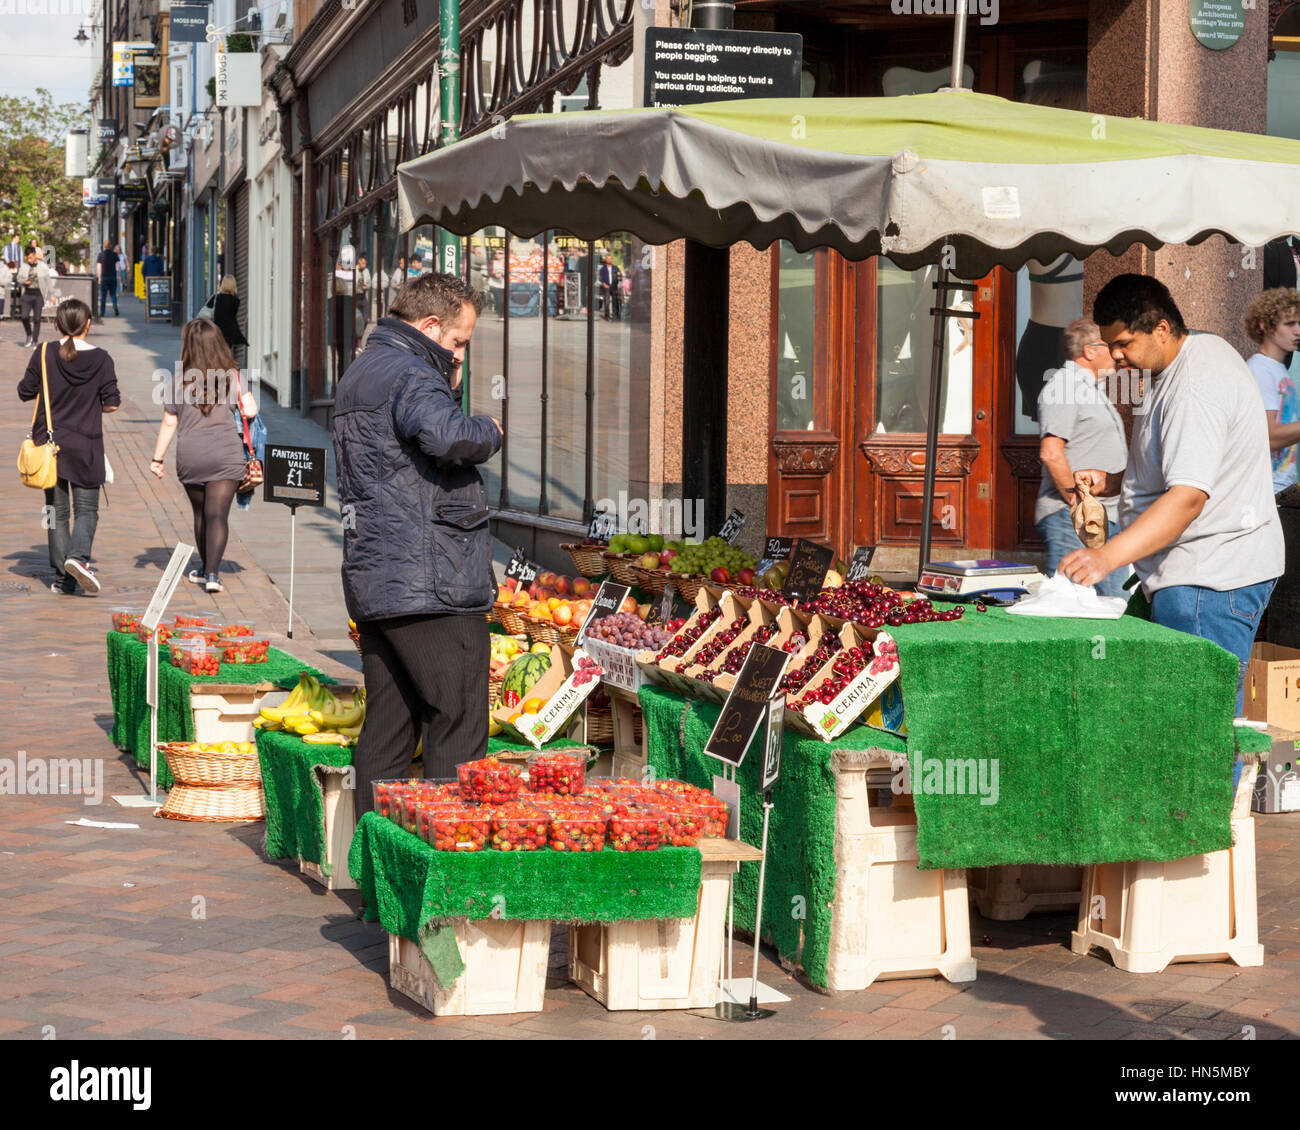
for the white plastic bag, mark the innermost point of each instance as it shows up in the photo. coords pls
(1060, 596)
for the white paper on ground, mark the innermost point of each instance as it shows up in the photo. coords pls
(1060, 596)
(84, 823)
(108, 470)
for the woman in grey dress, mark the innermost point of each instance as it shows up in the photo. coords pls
(202, 408)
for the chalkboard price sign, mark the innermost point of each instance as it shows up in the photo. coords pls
(668, 607)
(860, 566)
(607, 602)
(747, 704)
(294, 475)
(521, 569)
(778, 549)
(771, 770)
(158, 298)
(808, 564)
(731, 527)
(604, 526)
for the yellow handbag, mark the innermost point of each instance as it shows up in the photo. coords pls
(39, 465)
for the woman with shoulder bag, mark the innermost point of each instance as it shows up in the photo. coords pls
(76, 384)
(206, 409)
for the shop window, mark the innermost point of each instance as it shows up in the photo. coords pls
(795, 378)
(1284, 76)
(486, 363)
(566, 377)
(619, 417)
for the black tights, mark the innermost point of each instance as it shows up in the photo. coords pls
(211, 505)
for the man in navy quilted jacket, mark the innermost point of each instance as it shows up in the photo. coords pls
(417, 549)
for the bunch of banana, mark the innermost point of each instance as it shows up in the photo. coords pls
(337, 726)
(312, 709)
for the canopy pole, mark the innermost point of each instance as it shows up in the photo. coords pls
(932, 417)
(960, 9)
(449, 113)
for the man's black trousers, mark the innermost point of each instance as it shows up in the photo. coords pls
(422, 672)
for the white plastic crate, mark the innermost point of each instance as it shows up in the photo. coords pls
(505, 968)
(1147, 915)
(339, 809)
(659, 963)
(224, 712)
(889, 919)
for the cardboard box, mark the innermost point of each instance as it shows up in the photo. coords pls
(1277, 788)
(788, 622)
(667, 673)
(760, 616)
(560, 695)
(1273, 686)
(829, 720)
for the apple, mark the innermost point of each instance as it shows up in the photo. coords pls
(648, 560)
(581, 587)
(629, 604)
(745, 577)
(562, 614)
(665, 556)
(720, 576)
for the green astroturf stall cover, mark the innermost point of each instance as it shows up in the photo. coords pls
(1113, 740)
(413, 890)
(127, 658)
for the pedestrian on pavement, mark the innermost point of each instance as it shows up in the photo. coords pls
(417, 559)
(6, 282)
(14, 251)
(123, 268)
(610, 280)
(1196, 499)
(152, 265)
(225, 313)
(1079, 427)
(106, 276)
(34, 286)
(201, 407)
(1273, 322)
(83, 386)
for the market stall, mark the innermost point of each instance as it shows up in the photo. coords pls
(127, 680)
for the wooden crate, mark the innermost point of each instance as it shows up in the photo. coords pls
(1008, 894)
(631, 753)
(339, 807)
(1148, 915)
(505, 968)
(667, 962)
(889, 919)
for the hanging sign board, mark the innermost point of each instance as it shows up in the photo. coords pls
(685, 65)
(608, 601)
(747, 704)
(294, 475)
(771, 770)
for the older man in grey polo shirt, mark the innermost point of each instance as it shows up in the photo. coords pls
(1199, 522)
(1080, 428)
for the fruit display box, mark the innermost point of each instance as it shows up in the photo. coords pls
(712, 660)
(724, 611)
(789, 626)
(851, 698)
(562, 690)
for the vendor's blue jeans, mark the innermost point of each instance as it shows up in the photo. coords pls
(1057, 530)
(1229, 618)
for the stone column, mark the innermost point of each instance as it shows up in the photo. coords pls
(1144, 62)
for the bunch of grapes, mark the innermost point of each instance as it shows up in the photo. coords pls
(627, 629)
(681, 643)
(710, 554)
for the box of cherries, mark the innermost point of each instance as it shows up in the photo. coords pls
(825, 702)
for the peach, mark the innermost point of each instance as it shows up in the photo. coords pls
(562, 615)
(581, 587)
(563, 586)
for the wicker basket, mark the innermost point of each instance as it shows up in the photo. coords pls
(494, 692)
(600, 724)
(192, 767)
(588, 560)
(687, 584)
(650, 580)
(543, 631)
(513, 621)
(227, 804)
(622, 566)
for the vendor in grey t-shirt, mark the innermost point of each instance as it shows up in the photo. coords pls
(1199, 522)
(1080, 428)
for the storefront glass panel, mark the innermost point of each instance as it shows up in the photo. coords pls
(487, 380)
(795, 393)
(566, 357)
(617, 416)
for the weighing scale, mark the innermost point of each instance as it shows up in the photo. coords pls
(996, 582)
